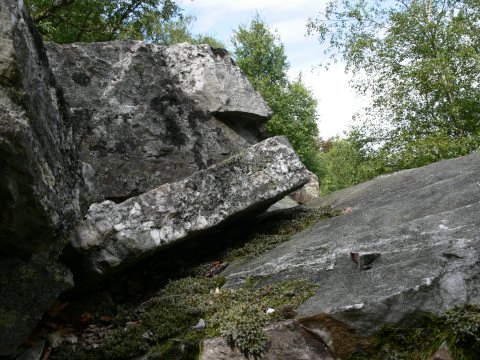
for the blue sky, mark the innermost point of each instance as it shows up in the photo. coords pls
(219, 18)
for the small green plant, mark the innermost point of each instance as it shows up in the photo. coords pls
(242, 326)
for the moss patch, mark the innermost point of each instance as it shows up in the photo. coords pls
(166, 326)
(459, 328)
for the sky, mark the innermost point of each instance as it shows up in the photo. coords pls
(336, 100)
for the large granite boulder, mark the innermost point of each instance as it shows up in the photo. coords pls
(115, 235)
(40, 178)
(407, 243)
(148, 115)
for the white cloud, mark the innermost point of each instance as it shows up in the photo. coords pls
(337, 102)
(291, 30)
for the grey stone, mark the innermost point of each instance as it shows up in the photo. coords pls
(364, 259)
(40, 174)
(309, 192)
(40, 179)
(206, 75)
(287, 340)
(148, 115)
(115, 235)
(424, 222)
(286, 203)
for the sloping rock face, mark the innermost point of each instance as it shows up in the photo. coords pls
(415, 236)
(40, 179)
(147, 115)
(115, 235)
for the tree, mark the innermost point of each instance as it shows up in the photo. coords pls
(419, 60)
(155, 21)
(174, 31)
(261, 56)
(347, 163)
(66, 21)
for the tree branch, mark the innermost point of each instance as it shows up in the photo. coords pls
(52, 10)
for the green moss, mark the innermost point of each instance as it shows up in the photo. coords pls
(166, 329)
(275, 231)
(459, 328)
(242, 326)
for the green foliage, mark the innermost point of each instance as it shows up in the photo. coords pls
(66, 21)
(420, 63)
(459, 328)
(174, 31)
(464, 323)
(346, 164)
(261, 56)
(155, 21)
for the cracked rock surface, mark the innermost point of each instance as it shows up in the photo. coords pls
(421, 224)
(146, 115)
(115, 235)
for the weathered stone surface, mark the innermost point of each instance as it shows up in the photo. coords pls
(40, 179)
(39, 172)
(288, 340)
(425, 225)
(211, 78)
(145, 114)
(113, 235)
(309, 192)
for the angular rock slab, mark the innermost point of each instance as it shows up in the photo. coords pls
(423, 222)
(211, 77)
(144, 114)
(114, 235)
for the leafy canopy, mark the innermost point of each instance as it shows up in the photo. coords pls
(66, 21)
(419, 60)
(261, 55)
(156, 21)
